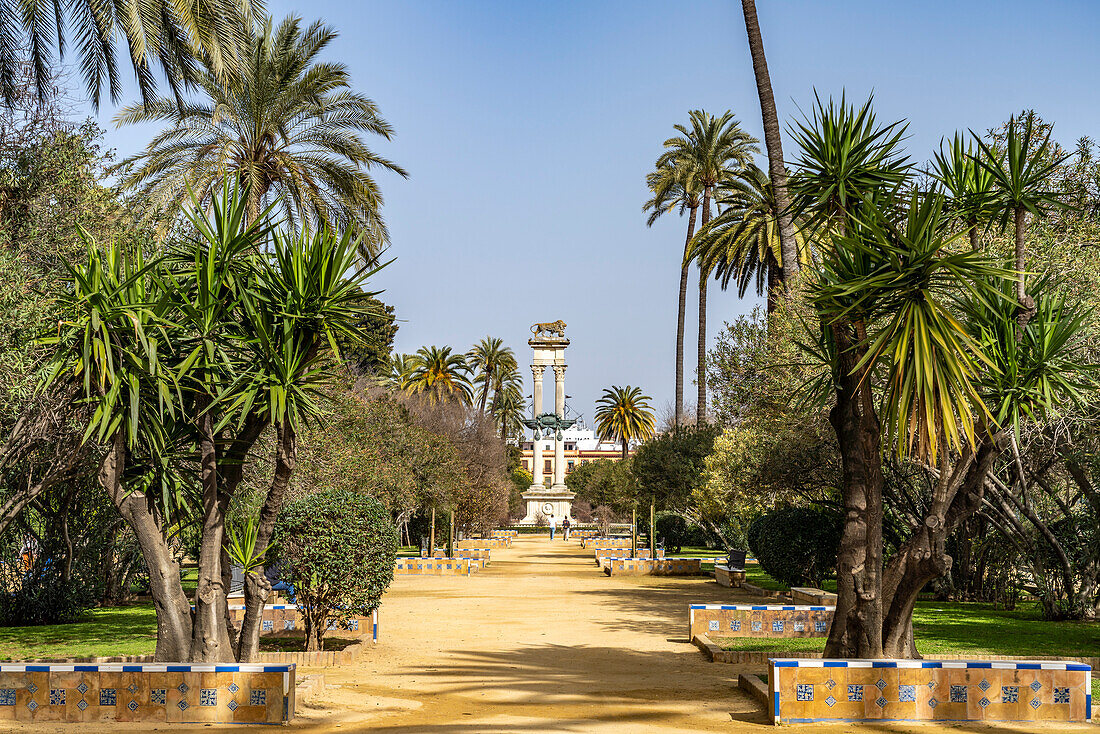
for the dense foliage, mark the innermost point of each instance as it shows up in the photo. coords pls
(796, 545)
(337, 548)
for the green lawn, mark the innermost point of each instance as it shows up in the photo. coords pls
(128, 630)
(962, 628)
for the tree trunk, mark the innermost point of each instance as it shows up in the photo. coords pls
(210, 641)
(773, 141)
(775, 284)
(634, 532)
(681, 314)
(431, 537)
(1026, 310)
(169, 602)
(257, 589)
(652, 530)
(972, 232)
(701, 401)
(857, 623)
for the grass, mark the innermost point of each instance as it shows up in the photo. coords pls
(962, 628)
(127, 630)
(297, 643)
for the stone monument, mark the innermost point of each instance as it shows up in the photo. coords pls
(548, 345)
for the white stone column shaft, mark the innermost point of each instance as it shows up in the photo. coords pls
(536, 408)
(559, 408)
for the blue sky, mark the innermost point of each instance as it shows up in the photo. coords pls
(528, 128)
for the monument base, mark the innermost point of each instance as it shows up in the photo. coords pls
(543, 502)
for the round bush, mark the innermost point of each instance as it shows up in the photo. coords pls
(796, 546)
(338, 550)
(672, 529)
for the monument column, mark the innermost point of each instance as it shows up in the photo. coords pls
(559, 408)
(536, 403)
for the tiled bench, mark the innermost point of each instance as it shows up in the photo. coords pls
(278, 618)
(649, 567)
(147, 692)
(605, 542)
(485, 543)
(725, 577)
(582, 534)
(928, 690)
(764, 620)
(503, 533)
(436, 566)
(477, 554)
(607, 554)
(810, 595)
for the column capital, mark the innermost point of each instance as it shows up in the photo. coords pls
(559, 372)
(537, 371)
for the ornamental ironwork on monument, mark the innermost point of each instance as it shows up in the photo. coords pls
(549, 424)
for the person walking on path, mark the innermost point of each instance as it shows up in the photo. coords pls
(553, 525)
(565, 527)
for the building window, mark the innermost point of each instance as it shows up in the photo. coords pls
(525, 463)
(570, 447)
(569, 467)
(546, 466)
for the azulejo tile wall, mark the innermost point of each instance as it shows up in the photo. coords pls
(436, 566)
(649, 567)
(503, 542)
(503, 533)
(764, 620)
(154, 692)
(605, 542)
(607, 554)
(278, 618)
(928, 690)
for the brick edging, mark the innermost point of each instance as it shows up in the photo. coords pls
(325, 658)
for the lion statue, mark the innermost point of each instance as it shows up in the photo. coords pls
(553, 328)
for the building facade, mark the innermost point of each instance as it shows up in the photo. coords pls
(581, 447)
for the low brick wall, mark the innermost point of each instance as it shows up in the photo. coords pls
(766, 620)
(649, 567)
(605, 542)
(484, 543)
(810, 595)
(583, 534)
(608, 554)
(725, 577)
(503, 533)
(436, 566)
(148, 692)
(928, 690)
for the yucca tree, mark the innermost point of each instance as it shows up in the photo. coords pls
(290, 130)
(742, 243)
(773, 140)
(1022, 172)
(712, 148)
(676, 187)
(845, 159)
(968, 182)
(158, 34)
(491, 363)
(623, 414)
(440, 375)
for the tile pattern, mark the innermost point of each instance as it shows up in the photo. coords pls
(151, 692)
(929, 690)
(436, 566)
(285, 617)
(649, 567)
(742, 620)
(609, 554)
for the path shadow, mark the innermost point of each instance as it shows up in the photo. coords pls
(659, 608)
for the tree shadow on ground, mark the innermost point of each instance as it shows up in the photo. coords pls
(659, 608)
(573, 687)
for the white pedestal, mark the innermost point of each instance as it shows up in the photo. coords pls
(543, 502)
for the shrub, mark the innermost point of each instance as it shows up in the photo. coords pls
(338, 550)
(673, 530)
(796, 545)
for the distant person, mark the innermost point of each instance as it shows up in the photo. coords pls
(553, 525)
(565, 527)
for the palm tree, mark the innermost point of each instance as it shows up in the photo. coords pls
(773, 141)
(290, 130)
(623, 414)
(508, 405)
(1021, 174)
(674, 186)
(171, 35)
(440, 375)
(969, 184)
(742, 243)
(490, 362)
(713, 149)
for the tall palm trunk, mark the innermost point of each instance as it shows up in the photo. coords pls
(1026, 309)
(775, 284)
(774, 143)
(680, 318)
(701, 403)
